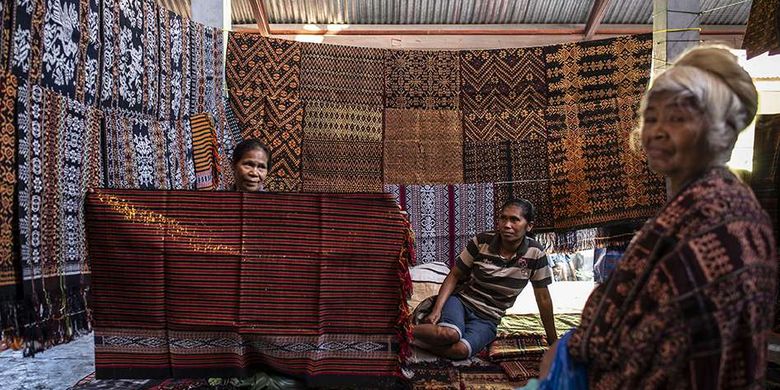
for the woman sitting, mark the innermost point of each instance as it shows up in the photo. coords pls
(690, 304)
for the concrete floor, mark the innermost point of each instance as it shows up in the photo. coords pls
(56, 368)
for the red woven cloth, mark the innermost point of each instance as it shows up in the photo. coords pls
(189, 284)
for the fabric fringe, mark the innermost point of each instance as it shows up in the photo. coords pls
(10, 336)
(567, 242)
(44, 328)
(404, 321)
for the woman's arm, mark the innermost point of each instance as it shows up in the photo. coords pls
(444, 292)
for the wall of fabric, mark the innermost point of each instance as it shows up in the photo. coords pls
(550, 124)
(97, 93)
(763, 29)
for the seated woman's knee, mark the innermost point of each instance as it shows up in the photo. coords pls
(448, 335)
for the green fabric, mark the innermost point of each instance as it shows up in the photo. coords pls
(524, 324)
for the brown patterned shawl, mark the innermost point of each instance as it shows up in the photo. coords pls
(423, 146)
(691, 301)
(763, 28)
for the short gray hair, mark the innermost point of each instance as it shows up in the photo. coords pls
(719, 88)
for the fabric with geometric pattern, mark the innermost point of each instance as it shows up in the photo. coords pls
(763, 28)
(342, 148)
(594, 93)
(204, 152)
(422, 79)
(281, 128)
(342, 74)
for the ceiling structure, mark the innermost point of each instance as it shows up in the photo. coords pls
(569, 20)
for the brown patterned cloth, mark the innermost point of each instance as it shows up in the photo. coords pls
(342, 74)
(8, 269)
(595, 88)
(690, 303)
(765, 177)
(256, 68)
(281, 128)
(763, 28)
(423, 146)
(342, 148)
(422, 79)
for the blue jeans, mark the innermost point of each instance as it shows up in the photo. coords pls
(476, 332)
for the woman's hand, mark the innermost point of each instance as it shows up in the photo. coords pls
(432, 318)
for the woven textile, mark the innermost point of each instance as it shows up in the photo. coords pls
(766, 165)
(342, 74)
(8, 271)
(445, 217)
(56, 43)
(422, 79)
(249, 83)
(423, 146)
(763, 28)
(594, 94)
(204, 152)
(281, 128)
(7, 12)
(58, 145)
(229, 304)
(342, 148)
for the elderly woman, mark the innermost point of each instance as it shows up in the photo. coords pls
(690, 304)
(251, 160)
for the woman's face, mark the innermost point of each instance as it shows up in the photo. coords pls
(251, 170)
(673, 136)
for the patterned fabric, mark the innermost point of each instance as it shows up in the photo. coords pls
(445, 217)
(204, 151)
(342, 74)
(59, 146)
(282, 131)
(56, 42)
(690, 304)
(763, 28)
(7, 12)
(226, 327)
(423, 146)
(422, 79)
(595, 89)
(766, 176)
(8, 273)
(248, 83)
(342, 148)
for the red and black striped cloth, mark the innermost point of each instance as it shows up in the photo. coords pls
(189, 284)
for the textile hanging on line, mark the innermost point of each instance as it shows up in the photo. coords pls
(417, 79)
(204, 152)
(56, 43)
(594, 92)
(503, 96)
(445, 217)
(342, 75)
(763, 28)
(59, 158)
(266, 101)
(423, 147)
(229, 305)
(342, 148)
(9, 269)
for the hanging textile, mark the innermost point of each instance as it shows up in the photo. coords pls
(766, 165)
(279, 77)
(7, 12)
(229, 305)
(342, 74)
(59, 157)
(204, 151)
(423, 146)
(422, 79)
(763, 28)
(342, 148)
(9, 270)
(445, 217)
(594, 93)
(503, 97)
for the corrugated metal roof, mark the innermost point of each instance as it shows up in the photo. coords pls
(726, 12)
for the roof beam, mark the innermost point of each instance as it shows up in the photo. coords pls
(258, 8)
(597, 13)
(470, 29)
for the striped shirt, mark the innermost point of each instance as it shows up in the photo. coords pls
(496, 282)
